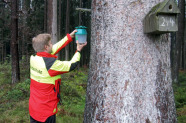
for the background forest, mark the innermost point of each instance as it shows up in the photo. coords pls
(21, 20)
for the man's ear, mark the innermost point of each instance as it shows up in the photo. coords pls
(46, 47)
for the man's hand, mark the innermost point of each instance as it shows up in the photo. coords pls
(80, 46)
(72, 34)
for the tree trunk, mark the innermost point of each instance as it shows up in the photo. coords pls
(185, 48)
(89, 34)
(2, 14)
(180, 34)
(27, 9)
(130, 76)
(24, 28)
(3, 54)
(14, 42)
(179, 39)
(59, 21)
(173, 57)
(67, 29)
(181, 29)
(45, 16)
(80, 5)
(59, 26)
(49, 16)
(52, 19)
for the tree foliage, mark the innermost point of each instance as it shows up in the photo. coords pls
(32, 18)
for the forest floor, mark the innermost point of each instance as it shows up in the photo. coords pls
(14, 97)
(180, 97)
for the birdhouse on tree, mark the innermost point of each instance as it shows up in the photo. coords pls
(162, 18)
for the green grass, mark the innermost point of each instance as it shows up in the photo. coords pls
(180, 97)
(14, 97)
(73, 91)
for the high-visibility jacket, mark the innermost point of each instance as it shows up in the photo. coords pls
(45, 74)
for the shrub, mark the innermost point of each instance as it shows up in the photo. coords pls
(21, 90)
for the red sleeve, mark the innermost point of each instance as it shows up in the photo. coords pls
(69, 38)
(65, 44)
(53, 73)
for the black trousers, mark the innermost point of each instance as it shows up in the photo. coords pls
(51, 119)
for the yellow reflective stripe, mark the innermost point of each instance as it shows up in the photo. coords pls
(38, 71)
(59, 44)
(61, 65)
(46, 80)
(65, 65)
(76, 57)
(54, 110)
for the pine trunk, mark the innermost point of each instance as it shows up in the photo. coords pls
(52, 19)
(14, 42)
(185, 47)
(130, 74)
(173, 58)
(179, 40)
(67, 29)
(80, 6)
(45, 16)
(180, 33)
(59, 20)
(24, 31)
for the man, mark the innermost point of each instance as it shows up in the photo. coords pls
(45, 74)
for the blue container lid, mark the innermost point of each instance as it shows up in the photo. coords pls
(81, 30)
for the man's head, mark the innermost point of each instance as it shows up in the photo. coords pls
(42, 43)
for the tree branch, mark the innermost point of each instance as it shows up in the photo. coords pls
(83, 9)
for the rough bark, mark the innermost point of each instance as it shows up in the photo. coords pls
(1, 53)
(179, 42)
(52, 19)
(23, 41)
(180, 33)
(45, 16)
(49, 16)
(80, 5)
(185, 48)
(54, 23)
(24, 31)
(67, 29)
(130, 77)
(14, 42)
(2, 14)
(59, 20)
(173, 57)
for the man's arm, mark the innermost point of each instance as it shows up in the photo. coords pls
(60, 67)
(63, 43)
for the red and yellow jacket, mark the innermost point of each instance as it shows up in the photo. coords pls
(45, 74)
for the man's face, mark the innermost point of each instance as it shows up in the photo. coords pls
(49, 47)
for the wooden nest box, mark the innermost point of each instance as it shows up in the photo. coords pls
(162, 18)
